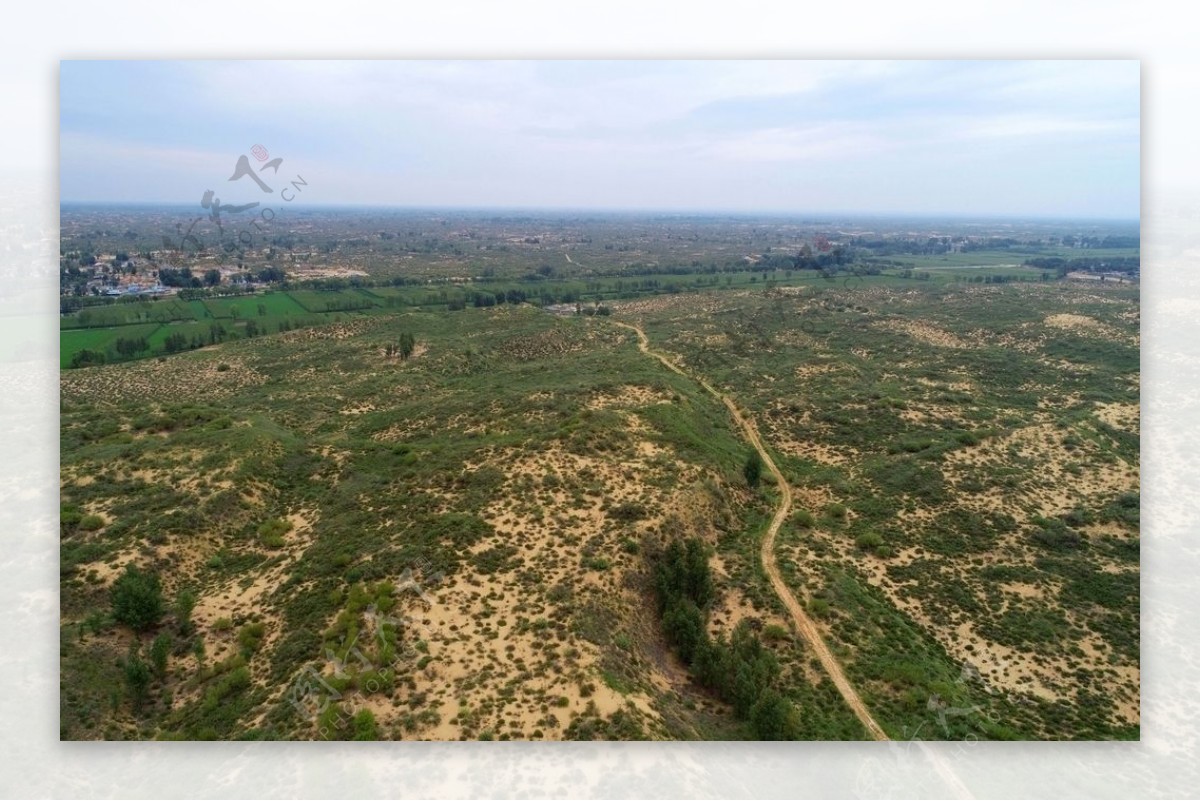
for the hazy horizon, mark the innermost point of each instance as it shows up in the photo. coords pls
(805, 215)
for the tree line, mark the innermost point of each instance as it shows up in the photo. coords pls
(740, 670)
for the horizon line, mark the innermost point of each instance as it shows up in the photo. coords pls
(922, 215)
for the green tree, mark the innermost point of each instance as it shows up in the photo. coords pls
(137, 599)
(753, 468)
(137, 679)
(159, 651)
(773, 717)
(407, 345)
(185, 602)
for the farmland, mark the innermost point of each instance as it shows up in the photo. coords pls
(414, 504)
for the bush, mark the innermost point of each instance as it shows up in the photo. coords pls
(137, 599)
(870, 539)
(271, 532)
(250, 638)
(365, 727)
(91, 522)
(774, 633)
(1054, 535)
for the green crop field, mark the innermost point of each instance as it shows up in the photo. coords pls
(99, 339)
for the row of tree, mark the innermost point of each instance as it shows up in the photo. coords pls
(739, 670)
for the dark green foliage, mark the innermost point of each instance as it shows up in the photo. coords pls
(773, 717)
(752, 469)
(682, 573)
(627, 512)
(137, 599)
(1053, 534)
(740, 671)
(683, 623)
(498, 559)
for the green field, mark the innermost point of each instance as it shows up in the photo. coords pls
(99, 339)
(271, 304)
(275, 311)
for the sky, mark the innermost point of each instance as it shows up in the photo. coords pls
(983, 139)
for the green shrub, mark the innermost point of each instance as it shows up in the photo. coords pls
(774, 632)
(597, 563)
(137, 599)
(91, 522)
(271, 532)
(250, 637)
(869, 540)
(819, 607)
(364, 725)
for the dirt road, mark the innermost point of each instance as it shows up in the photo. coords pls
(803, 623)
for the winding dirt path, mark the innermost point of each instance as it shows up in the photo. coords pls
(804, 624)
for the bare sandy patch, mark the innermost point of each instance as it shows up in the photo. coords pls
(1125, 416)
(924, 332)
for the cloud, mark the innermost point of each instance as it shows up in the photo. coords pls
(716, 134)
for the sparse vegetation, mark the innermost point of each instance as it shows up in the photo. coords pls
(451, 534)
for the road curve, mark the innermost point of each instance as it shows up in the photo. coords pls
(803, 623)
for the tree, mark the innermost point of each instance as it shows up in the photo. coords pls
(684, 625)
(212, 277)
(131, 346)
(752, 470)
(185, 602)
(87, 357)
(137, 599)
(773, 717)
(159, 651)
(407, 345)
(137, 679)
